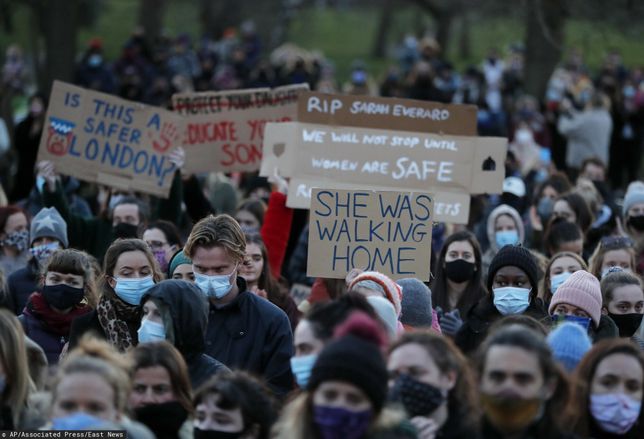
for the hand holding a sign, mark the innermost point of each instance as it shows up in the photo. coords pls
(279, 182)
(177, 157)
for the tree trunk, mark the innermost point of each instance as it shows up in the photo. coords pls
(60, 28)
(544, 42)
(386, 18)
(151, 14)
(464, 41)
(444, 26)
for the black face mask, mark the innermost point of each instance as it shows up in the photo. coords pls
(62, 296)
(419, 399)
(215, 434)
(459, 270)
(125, 231)
(637, 222)
(164, 420)
(627, 323)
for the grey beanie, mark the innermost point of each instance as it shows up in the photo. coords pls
(416, 303)
(49, 223)
(634, 195)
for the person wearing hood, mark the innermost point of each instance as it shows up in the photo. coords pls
(504, 227)
(177, 311)
(513, 289)
(48, 233)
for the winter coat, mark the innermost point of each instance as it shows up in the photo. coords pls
(489, 254)
(298, 261)
(87, 323)
(21, 284)
(51, 343)
(275, 231)
(588, 135)
(188, 309)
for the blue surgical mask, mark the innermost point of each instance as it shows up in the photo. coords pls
(584, 322)
(301, 367)
(614, 269)
(511, 300)
(557, 280)
(507, 237)
(217, 286)
(132, 290)
(151, 331)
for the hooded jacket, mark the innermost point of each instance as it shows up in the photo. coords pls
(188, 310)
(503, 209)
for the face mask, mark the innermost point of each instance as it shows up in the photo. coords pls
(217, 286)
(557, 280)
(584, 322)
(511, 300)
(95, 60)
(62, 296)
(419, 399)
(337, 422)
(637, 222)
(614, 412)
(19, 240)
(43, 252)
(150, 331)
(125, 230)
(77, 421)
(510, 415)
(459, 270)
(544, 208)
(608, 270)
(507, 237)
(114, 200)
(160, 256)
(301, 368)
(523, 136)
(132, 290)
(162, 419)
(215, 434)
(628, 324)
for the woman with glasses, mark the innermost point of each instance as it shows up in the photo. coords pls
(613, 251)
(164, 241)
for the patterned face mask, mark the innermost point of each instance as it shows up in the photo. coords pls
(19, 240)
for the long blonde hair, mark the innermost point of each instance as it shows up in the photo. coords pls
(13, 355)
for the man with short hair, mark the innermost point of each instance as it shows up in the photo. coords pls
(244, 330)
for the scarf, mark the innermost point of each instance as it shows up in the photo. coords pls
(55, 322)
(119, 321)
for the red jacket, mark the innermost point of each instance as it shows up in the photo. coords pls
(276, 230)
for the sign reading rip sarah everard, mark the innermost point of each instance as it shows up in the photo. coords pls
(389, 232)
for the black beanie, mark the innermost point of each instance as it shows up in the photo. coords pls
(354, 360)
(516, 256)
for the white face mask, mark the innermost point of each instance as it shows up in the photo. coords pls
(615, 412)
(511, 300)
(216, 286)
(523, 136)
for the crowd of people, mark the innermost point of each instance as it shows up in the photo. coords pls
(176, 318)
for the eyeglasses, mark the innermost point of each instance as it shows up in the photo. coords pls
(155, 245)
(615, 242)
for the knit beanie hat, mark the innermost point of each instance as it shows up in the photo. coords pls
(569, 343)
(179, 258)
(416, 303)
(582, 290)
(387, 314)
(49, 223)
(355, 357)
(516, 256)
(634, 195)
(391, 289)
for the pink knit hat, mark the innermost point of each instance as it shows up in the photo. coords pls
(582, 290)
(391, 288)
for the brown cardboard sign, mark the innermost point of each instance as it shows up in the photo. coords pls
(225, 130)
(393, 113)
(449, 207)
(389, 232)
(100, 138)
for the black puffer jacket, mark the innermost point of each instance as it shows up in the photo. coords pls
(188, 309)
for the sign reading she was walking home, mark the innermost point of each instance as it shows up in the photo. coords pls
(389, 232)
(101, 138)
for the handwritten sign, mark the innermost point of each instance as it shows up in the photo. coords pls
(101, 138)
(393, 113)
(389, 232)
(225, 130)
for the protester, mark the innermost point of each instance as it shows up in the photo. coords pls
(504, 227)
(161, 394)
(234, 405)
(244, 330)
(68, 291)
(607, 401)
(372, 283)
(416, 305)
(180, 267)
(563, 236)
(129, 271)
(250, 216)
(612, 251)
(163, 238)
(573, 207)
(177, 311)
(513, 288)
(523, 391)
(48, 232)
(433, 382)
(14, 239)
(559, 268)
(623, 301)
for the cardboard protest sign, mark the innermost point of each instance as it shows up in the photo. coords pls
(224, 130)
(101, 138)
(392, 113)
(389, 232)
(449, 207)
